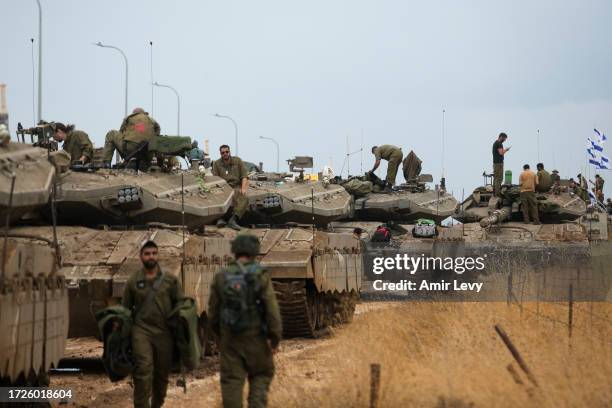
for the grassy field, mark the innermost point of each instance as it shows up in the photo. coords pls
(449, 355)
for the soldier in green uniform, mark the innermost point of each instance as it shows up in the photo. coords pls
(76, 142)
(137, 129)
(555, 178)
(113, 141)
(233, 170)
(544, 179)
(195, 153)
(393, 155)
(498, 162)
(247, 339)
(151, 295)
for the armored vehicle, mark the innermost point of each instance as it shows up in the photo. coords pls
(555, 206)
(316, 274)
(33, 294)
(406, 202)
(123, 196)
(279, 198)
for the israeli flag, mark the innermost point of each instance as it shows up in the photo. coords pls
(590, 152)
(595, 145)
(594, 162)
(592, 197)
(602, 138)
(604, 159)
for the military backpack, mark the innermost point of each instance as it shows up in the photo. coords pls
(242, 298)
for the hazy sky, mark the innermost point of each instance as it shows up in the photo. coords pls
(309, 74)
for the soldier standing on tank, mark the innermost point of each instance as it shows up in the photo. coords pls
(599, 185)
(151, 295)
(393, 155)
(139, 130)
(232, 169)
(76, 142)
(528, 181)
(498, 162)
(544, 179)
(246, 353)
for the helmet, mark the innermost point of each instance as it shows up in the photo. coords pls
(245, 244)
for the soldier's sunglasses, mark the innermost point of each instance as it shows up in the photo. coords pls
(225, 151)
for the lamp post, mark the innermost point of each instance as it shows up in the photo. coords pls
(99, 44)
(178, 106)
(235, 129)
(39, 60)
(277, 151)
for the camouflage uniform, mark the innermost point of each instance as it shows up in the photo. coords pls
(246, 354)
(544, 181)
(77, 144)
(233, 172)
(393, 155)
(113, 141)
(136, 129)
(498, 167)
(152, 342)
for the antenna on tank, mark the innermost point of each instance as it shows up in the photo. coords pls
(33, 83)
(361, 158)
(183, 226)
(443, 137)
(152, 81)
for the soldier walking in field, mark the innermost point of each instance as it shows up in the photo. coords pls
(499, 153)
(244, 313)
(151, 295)
(393, 155)
(234, 172)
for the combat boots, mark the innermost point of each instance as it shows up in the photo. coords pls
(233, 223)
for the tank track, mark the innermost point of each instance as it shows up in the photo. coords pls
(307, 312)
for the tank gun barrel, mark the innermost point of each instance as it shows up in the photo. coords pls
(496, 217)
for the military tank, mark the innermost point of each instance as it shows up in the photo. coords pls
(127, 197)
(278, 198)
(557, 205)
(406, 202)
(33, 294)
(317, 275)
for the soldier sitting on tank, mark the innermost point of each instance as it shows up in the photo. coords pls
(393, 155)
(195, 153)
(76, 142)
(234, 172)
(544, 179)
(244, 314)
(138, 130)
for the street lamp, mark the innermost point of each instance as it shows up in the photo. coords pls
(277, 151)
(39, 60)
(99, 44)
(235, 129)
(178, 104)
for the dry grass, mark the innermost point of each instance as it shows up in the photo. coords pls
(449, 355)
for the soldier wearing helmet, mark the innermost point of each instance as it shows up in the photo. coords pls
(244, 314)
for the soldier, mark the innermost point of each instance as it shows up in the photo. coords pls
(544, 179)
(195, 153)
(609, 206)
(555, 178)
(393, 155)
(113, 141)
(151, 295)
(139, 129)
(599, 185)
(76, 142)
(528, 181)
(248, 337)
(233, 170)
(498, 162)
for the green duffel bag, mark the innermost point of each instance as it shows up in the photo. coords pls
(171, 145)
(358, 188)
